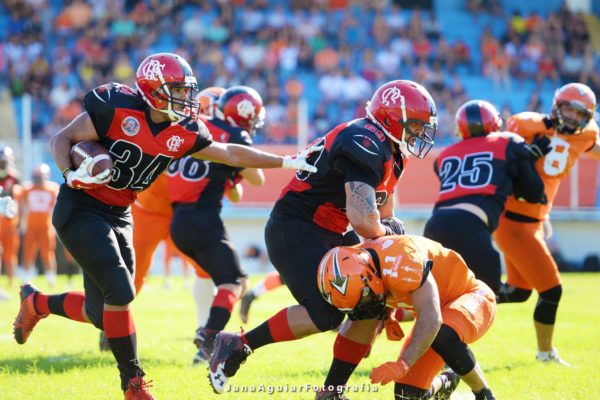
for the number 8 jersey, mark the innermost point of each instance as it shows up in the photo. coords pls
(566, 149)
(140, 148)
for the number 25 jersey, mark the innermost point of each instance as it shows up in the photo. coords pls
(140, 148)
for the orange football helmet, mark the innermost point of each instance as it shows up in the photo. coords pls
(40, 173)
(156, 79)
(349, 280)
(208, 99)
(580, 99)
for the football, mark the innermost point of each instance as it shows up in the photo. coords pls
(101, 159)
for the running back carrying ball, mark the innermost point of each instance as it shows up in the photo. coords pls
(101, 159)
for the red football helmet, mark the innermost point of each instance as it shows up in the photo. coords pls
(406, 113)
(40, 173)
(162, 75)
(207, 100)
(241, 106)
(477, 118)
(578, 101)
(349, 280)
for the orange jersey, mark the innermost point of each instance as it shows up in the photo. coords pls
(405, 264)
(39, 202)
(156, 197)
(553, 167)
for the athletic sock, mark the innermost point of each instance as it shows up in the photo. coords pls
(275, 329)
(68, 305)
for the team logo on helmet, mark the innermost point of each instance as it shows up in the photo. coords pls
(174, 143)
(153, 70)
(246, 109)
(390, 95)
(130, 126)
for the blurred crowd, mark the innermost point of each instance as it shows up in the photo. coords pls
(332, 53)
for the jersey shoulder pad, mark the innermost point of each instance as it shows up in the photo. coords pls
(528, 123)
(507, 135)
(358, 144)
(112, 95)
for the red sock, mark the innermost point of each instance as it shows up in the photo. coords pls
(276, 329)
(348, 350)
(68, 305)
(220, 312)
(120, 333)
(117, 324)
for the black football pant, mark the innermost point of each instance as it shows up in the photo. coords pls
(200, 234)
(100, 238)
(295, 248)
(468, 235)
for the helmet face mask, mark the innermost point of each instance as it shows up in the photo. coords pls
(572, 116)
(166, 83)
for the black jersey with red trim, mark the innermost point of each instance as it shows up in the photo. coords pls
(140, 148)
(203, 182)
(484, 171)
(353, 151)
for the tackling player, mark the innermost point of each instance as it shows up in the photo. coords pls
(520, 235)
(9, 222)
(418, 275)
(359, 167)
(144, 130)
(476, 176)
(196, 188)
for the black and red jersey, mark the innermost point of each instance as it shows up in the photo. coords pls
(353, 151)
(484, 171)
(203, 182)
(140, 148)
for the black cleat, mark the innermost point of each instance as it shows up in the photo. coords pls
(450, 380)
(230, 353)
(330, 395)
(205, 341)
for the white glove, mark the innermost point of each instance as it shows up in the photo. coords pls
(8, 207)
(81, 179)
(298, 161)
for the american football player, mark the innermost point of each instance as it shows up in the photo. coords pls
(418, 275)
(359, 166)
(520, 235)
(476, 176)
(144, 129)
(195, 190)
(10, 191)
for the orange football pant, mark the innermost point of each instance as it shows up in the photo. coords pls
(42, 238)
(529, 263)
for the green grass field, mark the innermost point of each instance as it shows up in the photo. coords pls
(61, 360)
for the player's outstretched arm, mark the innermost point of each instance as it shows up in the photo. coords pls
(243, 156)
(78, 130)
(361, 210)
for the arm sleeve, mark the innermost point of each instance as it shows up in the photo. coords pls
(527, 183)
(99, 105)
(204, 138)
(358, 158)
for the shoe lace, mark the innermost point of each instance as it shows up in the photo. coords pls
(140, 385)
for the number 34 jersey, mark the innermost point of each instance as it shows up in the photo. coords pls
(566, 149)
(481, 171)
(140, 148)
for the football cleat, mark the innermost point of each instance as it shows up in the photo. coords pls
(205, 341)
(28, 317)
(103, 342)
(450, 380)
(330, 395)
(230, 353)
(245, 306)
(137, 388)
(551, 357)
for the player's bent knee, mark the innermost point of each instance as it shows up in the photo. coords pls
(94, 314)
(453, 351)
(547, 305)
(512, 294)
(325, 320)
(119, 289)
(403, 391)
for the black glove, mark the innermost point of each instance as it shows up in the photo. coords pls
(393, 226)
(540, 146)
(350, 238)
